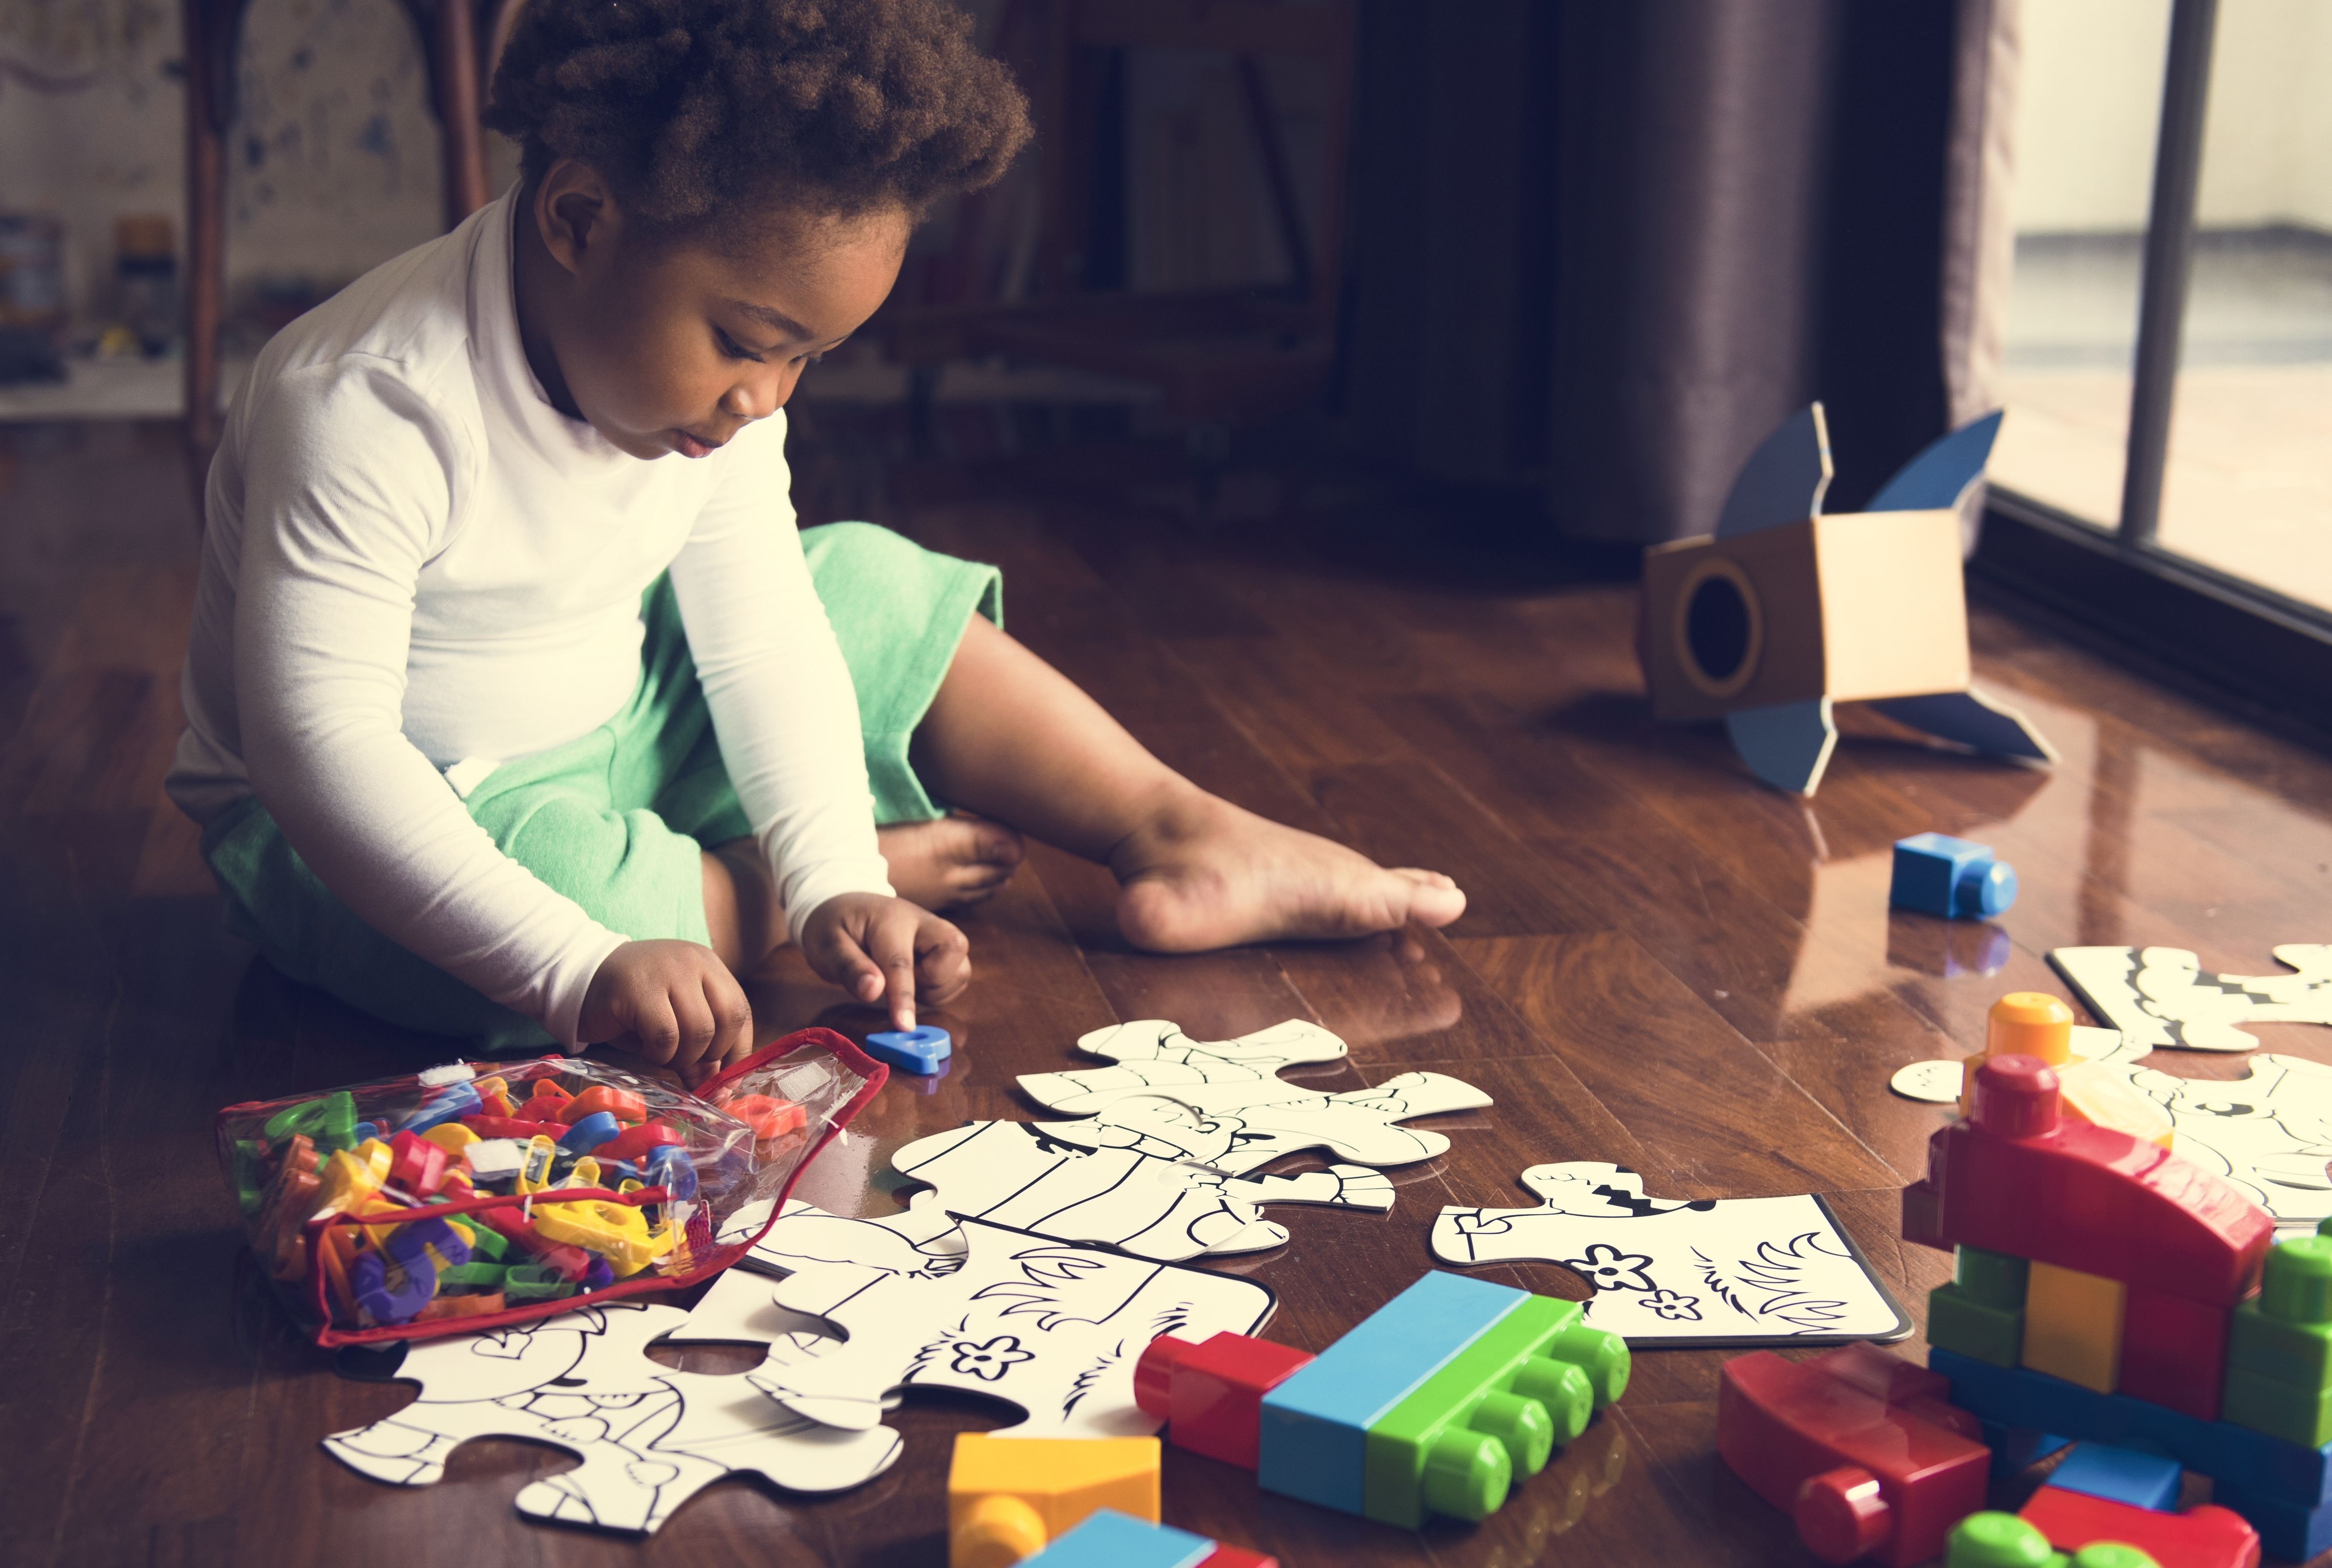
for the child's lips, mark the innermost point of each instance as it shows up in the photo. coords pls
(688, 446)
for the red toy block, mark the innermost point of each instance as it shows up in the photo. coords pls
(416, 1166)
(2208, 1536)
(2174, 1352)
(1236, 1557)
(2018, 1177)
(1861, 1448)
(1210, 1395)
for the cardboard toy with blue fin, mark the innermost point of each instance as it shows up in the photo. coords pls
(1783, 611)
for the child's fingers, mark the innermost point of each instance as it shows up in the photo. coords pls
(733, 1019)
(891, 945)
(942, 963)
(656, 1030)
(692, 1010)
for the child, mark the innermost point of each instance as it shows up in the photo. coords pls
(515, 703)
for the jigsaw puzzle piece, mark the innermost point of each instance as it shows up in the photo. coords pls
(1035, 1322)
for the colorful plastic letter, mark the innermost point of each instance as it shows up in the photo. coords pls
(589, 1132)
(920, 1051)
(768, 1115)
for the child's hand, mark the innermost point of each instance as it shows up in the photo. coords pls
(876, 948)
(673, 1003)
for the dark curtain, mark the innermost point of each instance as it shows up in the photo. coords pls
(1604, 248)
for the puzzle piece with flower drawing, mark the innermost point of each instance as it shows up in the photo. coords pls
(1677, 1271)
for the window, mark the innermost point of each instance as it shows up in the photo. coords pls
(2169, 332)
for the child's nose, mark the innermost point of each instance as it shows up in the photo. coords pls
(759, 399)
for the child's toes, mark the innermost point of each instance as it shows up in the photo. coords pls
(1434, 900)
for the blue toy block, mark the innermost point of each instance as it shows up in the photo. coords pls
(2119, 1475)
(918, 1051)
(2014, 1447)
(1109, 1539)
(1313, 1432)
(2287, 1530)
(1956, 878)
(2265, 1466)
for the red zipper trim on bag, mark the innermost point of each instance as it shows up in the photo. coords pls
(714, 1259)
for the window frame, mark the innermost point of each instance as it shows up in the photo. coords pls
(2274, 650)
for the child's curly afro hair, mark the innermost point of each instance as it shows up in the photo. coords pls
(691, 107)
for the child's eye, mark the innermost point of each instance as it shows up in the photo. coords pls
(732, 349)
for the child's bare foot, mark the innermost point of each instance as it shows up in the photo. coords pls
(950, 861)
(1203, 874)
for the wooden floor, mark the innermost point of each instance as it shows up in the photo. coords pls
(1663, 965)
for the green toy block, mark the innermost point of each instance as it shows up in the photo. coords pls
(2296, 1413)
(1990, 1540)
(1993, 1539)
(2283, 1336)
(1990, 1278)
(1497, 1409)
(1957, 1322)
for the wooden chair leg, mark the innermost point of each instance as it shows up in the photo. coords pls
(454, 46)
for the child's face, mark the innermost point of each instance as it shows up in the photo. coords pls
(675, 346)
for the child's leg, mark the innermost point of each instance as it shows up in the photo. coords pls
(1012, 739)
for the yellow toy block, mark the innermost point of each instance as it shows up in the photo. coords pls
(2020, 1024)
(2098, 1094)
(1008, 1497)
(2072, 1325)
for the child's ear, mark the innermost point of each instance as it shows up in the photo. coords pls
(575, 212)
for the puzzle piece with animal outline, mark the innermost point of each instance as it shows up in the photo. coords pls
(2159, 995)
(1359, 1125)
(1013, 1173)
(649, 1437)
(1677, 1271)
(1050, 1326)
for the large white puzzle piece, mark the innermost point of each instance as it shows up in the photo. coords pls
(1011, 1173)
(649, 1437)
(1673, 1272)
(1156, 1058)
(2159, 996)
(1362, 1126)
(1049, 1326)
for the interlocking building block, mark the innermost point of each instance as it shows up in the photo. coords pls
(2289, 1529)
(1493, 1414)
(2265, 1466)
(1008, 1497)
(1312, 1429)
(1861, 1448)
(1981, 1312)
(2174, 1352)
(2018, 1177)
(2280, 1347)
(1956, 878)
(2206, 1537)
(2123, 1474)
(2072, 1327)
(1211, 1394)
(1109, 1539)
(1990, 1540)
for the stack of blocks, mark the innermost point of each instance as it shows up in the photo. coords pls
(2105, 1289)
(1433, 1405)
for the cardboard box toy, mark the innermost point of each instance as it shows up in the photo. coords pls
(1782, 611)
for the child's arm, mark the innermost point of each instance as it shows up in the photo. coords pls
(350, 482)
(786, 717)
